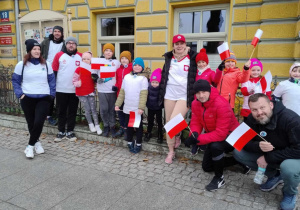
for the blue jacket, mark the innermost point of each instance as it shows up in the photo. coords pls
(153, 97)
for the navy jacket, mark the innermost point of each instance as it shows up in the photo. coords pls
(153, 97)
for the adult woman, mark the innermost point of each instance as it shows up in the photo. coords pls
(176, 87)
(34, 83)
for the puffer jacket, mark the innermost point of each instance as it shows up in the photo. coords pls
(152, 100)
(215, 116)
(210, 76)
(120, 74)
(191, 77)
(229, 83)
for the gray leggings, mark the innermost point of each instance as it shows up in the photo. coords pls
(89, 108)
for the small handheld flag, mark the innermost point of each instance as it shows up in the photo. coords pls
(224, 51)
(257, 37)
(107, 71)
(134, 119)
(175, 125)
(96, 63)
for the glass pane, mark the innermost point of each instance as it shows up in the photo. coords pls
(213, 21)
(108, 27)
(192, 45)
(128, 47)
(211, 46)
(105, 43)
(189, 22)
(126, 26)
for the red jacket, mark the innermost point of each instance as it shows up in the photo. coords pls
(82, 80)
(230, 81)
(210, 76)
(120, 74)
(215, 116)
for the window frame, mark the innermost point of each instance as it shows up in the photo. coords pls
(117, 40)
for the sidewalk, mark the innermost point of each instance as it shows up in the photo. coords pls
(93, 175)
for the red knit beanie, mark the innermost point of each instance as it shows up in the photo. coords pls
(202, 56)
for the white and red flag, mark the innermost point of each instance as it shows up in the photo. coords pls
(241, 136)
(134, 119)
(85, 68)
(97, 63)
(257, 37)
(175, 125)
(223, 50)
(264, 84)
(107, 71)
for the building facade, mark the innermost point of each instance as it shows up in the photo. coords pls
(146, 27)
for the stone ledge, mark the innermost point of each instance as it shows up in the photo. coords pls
(83, 133)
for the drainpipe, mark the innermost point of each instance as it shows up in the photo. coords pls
(17, 30)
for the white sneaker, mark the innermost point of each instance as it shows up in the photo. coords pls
(92, 127)
(29, 151)
(98, 129)
(38, 148)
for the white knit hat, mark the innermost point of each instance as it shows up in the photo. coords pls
(296, 64)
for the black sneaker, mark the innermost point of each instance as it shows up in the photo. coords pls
(215, 183)
(119, 133)
(147, 137)
(113, 131)
(51, 121)
(246, 170)
(194, 150)
(60, 136)
(137, 149)
(71, 136)
(105, 132)
(131, 147)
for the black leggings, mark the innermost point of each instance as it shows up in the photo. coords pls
(130, 131)
(35, 110)
(151, 114)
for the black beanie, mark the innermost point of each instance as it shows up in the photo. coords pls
(202, 85)
(59, 28)
(30, 43)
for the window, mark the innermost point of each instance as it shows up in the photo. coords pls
(203, 27)
(117, 29)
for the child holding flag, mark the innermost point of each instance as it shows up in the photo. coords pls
(134, 93)
(125, 68)
(107, 97)
(231, 78)
(289, 90)
(85, 91)
(251, 86)
(154, 109)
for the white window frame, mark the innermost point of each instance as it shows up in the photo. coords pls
(202, 37)
(117, 40)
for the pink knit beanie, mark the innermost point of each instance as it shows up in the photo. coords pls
(256, 62)
(156, 75)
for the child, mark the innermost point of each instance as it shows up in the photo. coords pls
(107, 97)
(134, 93)
(289, 90)
(85, 91)
(231, 78)
(204, 71)
(250, 87)
(125, 68)
(153, 108)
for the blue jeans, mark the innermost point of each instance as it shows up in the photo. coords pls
(289, 169)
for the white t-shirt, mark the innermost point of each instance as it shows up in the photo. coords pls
(53, 50)
(290, 94)
(106, 87)
(35, 78)
(177, 81)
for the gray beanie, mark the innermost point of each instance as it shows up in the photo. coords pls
(72, 39)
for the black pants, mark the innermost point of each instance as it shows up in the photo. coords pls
(214, 160)
(67, 109)
(51, 108)
(130, 131)
(35, 110)
(151, 115)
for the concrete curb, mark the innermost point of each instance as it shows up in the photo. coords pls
(83, 133)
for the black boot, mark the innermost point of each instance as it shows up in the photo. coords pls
(113, 131)
(147, 137)
(119, 133)
(105, 131)
(160, 138)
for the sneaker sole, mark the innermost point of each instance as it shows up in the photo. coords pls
(29, 157)
(274, 186)
(58, 140)
(39, 152)
(72, 139)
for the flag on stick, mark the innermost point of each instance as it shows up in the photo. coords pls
(257, 37)
(85, 68)
(224, 51)
(241, 136)
(96, 63)
(264, 84)
(107, 71)
(175, 125)
(134, 119)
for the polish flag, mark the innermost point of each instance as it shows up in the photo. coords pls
(107, 71)
(257, 37)
(96, 63)
(134, 119)
(264, 84)
(241, 136)
(175, 125)
(85, 67)
(224, 51)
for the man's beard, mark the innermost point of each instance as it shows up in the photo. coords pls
(265, 121)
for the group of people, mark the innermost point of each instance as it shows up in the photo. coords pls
(185, 82)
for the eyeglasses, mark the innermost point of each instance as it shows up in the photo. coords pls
(71, 43)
